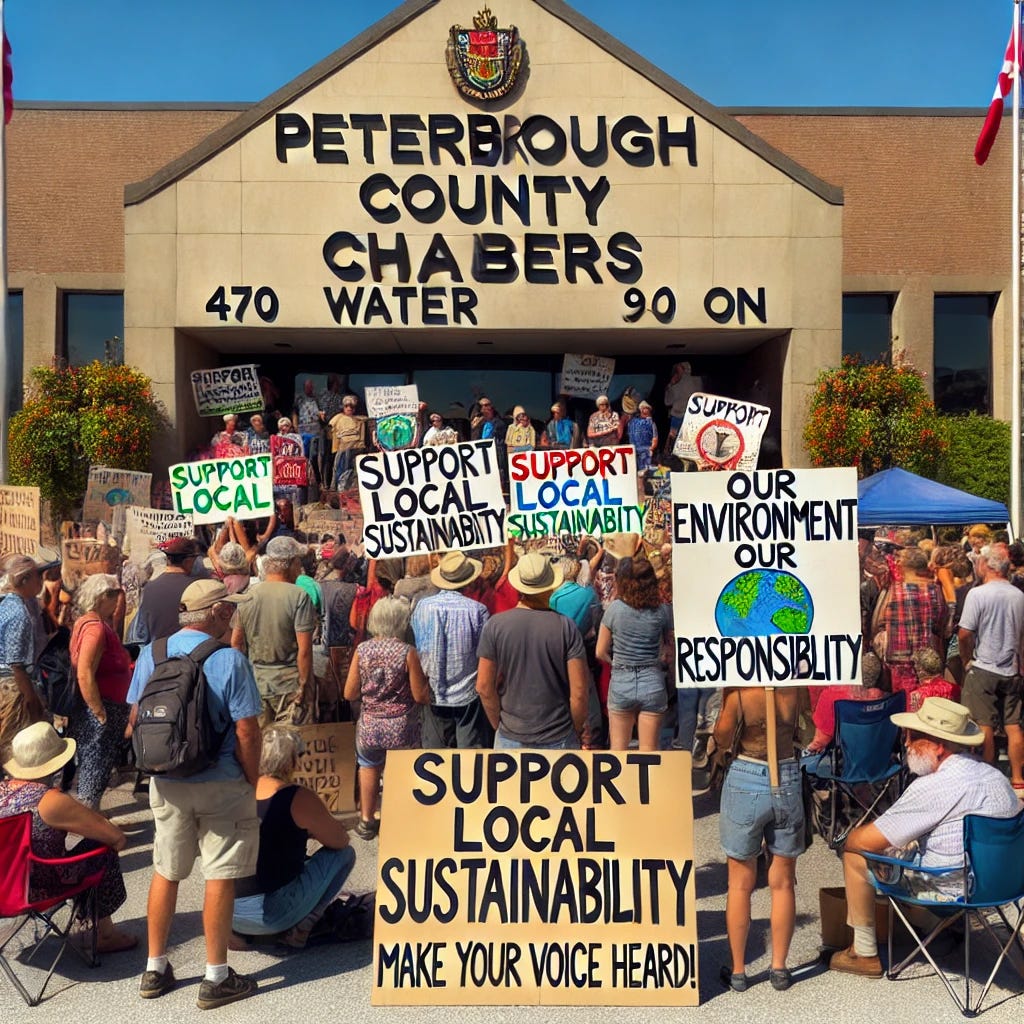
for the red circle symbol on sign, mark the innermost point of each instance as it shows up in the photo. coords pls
(720, 444)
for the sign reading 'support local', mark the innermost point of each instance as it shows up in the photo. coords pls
(536, 877)
(214, 489)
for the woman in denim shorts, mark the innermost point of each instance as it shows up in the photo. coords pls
(752, 813)
(633, 630)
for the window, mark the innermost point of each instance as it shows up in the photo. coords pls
(506, 388)
(963, 353)
(93, 327)
(867, 326)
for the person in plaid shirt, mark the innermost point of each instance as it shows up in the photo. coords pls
(915, 617)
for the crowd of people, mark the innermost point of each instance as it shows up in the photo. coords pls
(537, 645)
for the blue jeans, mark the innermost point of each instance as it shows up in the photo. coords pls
(320, 882)
(569, 742)
(752, 810)
(344, 469)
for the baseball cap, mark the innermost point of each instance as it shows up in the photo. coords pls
(181, 547)
(285, 549)
(205, 594)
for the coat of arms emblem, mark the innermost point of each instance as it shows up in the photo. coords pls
(484, 60)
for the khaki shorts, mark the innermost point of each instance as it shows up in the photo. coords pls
(215, 820)
(992, 700)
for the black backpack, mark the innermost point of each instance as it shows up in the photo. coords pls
(173, 735)
(56, 676)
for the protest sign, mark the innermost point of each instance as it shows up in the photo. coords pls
(766, 577)
(291, 471)
(536, 877)
(419, 500)
(328, 766)
(721, 433)
(286, 445)
(578, 490)
(214, 489)
(19, 520)
(145, 528)
(228, 389)
(109, 487)
(397, 400)
(586, 376)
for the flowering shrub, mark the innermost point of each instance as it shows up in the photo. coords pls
(874, 416)
(100, 414)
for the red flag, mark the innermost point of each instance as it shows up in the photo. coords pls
(1004, 83)
(8, 82)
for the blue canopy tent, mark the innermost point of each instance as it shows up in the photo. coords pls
(896, 497)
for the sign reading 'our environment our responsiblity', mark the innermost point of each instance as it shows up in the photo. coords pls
(419, 500)
(765, 577)
(722, 433)
(586, 376)
(228, 389)
(540, 876)
(214, 489)
(578, 491)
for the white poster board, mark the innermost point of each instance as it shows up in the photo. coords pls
(109, 487)
(146, 528)
(227, 389)
(577, 491)
(401, 400)
(721, 433)
(765, 577)
(213, 489)
(586, 376)
(419, 500)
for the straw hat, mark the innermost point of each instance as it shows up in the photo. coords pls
(37, 751)
(534, 574)
(621, 545)
(943, 719)
(455, 571)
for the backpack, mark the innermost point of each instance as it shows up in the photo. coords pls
(173, 735)
(56, 676)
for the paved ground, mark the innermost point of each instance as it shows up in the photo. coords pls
(331, 984)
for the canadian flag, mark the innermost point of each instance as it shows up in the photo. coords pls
(1004, 83)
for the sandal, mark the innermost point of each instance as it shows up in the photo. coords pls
(737, 982)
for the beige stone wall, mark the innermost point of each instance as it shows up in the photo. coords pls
(733, 222)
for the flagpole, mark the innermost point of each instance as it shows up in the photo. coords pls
(8, 359)
(1015, 394)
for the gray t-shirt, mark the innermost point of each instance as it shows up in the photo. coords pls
(531, 649)
(994, 613)
(636, 633)
(270, 619)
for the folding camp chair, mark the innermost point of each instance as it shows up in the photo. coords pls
(53, 916)
(992, 878)
(864, 763)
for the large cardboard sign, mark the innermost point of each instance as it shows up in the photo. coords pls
(328, 767)
(146, 528)
(766, 577)
(395, 400)
(579, 491)
(109, 487)
(213, 489)
(536, 877)
(228, 389)
(586, 376)
(19, 520)
(721, 433)
(419, 500)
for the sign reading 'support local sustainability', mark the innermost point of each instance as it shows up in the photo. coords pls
(536, 877)
(576, 491)
(419, 500)
(765, 577)
(214, 489)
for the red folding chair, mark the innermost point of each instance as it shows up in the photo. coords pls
(53, 916)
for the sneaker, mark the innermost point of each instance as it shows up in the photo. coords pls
(230, 990)
(846, 961)
(156, 983)
(367, 829)
(781, 978)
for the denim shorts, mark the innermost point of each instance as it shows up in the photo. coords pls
(751, 810)
(638, 689)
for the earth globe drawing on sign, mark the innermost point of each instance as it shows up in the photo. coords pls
(762, 602)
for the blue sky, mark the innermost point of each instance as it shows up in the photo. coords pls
(783, 53)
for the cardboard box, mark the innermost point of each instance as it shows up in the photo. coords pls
(835, 932)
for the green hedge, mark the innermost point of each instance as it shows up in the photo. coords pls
(977, 456)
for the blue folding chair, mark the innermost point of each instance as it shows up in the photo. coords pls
(992, 878)
(864, 763)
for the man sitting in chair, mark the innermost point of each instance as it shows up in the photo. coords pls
(949, 785)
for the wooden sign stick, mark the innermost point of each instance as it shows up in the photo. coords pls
(773, 740)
